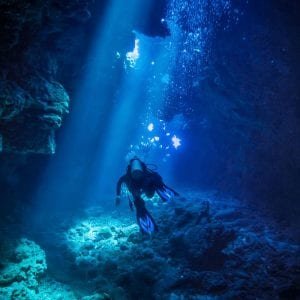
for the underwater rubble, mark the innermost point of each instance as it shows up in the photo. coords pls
(204, 248)
(21, 272)
(207, 247)
(23, 275)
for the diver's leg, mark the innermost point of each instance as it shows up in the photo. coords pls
(144, 219)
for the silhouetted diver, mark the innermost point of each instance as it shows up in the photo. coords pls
(140, 179)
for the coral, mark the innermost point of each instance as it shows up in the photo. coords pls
(206, 248)
(23, 275)
(20, 276)
(95, 240)
(50, 289)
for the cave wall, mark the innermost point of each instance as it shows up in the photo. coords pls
(45, 52)
(39, 43)
(244, 136)
(242, 107)
(44, 46)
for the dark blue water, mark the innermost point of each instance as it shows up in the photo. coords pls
(206, 93)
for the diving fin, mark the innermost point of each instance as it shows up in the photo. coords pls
(146, 224)
(145, 221)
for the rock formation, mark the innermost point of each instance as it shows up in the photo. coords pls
(207, 246)
(21, 271)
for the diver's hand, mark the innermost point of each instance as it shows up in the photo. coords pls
(117, 200)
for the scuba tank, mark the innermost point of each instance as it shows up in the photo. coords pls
(137, 170)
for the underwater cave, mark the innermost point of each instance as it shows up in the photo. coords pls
(149, 150)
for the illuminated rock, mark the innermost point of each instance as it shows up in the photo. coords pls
(133, 56)
(20, 278)
(96, 240)
(29, 115)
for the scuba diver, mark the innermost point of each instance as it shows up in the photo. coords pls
(139, 179)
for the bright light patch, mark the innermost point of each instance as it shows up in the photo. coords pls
(176, 141)
(165, 79)
(154, 139)
(133, 55)
(118, 55)
(92, 233)
(150, 127)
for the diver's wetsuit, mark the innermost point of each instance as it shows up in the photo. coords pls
(136, 188)
(150, 183)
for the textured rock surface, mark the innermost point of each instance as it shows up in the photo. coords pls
(23, 275)
(240, 94)
(43, 47)
(30, 114)
(44, 44)
(20, 273)
(37, 41)
(90, 235)
(206, 247)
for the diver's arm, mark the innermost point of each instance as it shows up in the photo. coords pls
(119, 184)
(118, 190)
